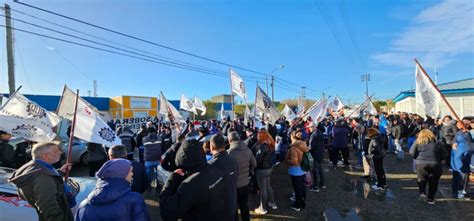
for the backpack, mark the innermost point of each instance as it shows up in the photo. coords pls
(307, 163)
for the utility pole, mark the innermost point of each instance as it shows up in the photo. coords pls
(273, 89)
(436, 76)
(11, 63)
(95, 89)
(366, 78)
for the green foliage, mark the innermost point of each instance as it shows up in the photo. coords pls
(211, 109)
(378, 104)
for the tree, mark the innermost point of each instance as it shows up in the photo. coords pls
(211, 109)
(379, 104)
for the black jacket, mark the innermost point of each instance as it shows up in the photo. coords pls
(224, 162)
(168, 158)
(140, 181)
(153, 147)
(251, 141)
(375, 147)
(263, 157)
(140, 137)
(7, 154)
(316, 145)
(199, 193)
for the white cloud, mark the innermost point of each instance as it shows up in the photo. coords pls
(435, 36)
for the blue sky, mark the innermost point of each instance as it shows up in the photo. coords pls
(376, 37)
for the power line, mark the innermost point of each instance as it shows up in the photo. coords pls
(106, 45)
(140, 39)
(116, 43)
(115, 52)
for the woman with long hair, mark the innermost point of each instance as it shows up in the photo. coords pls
(293, 158)
(264, 149)
(428, 155)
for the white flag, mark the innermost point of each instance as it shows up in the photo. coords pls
(265, 105)
(67, 110)
(200, 105)
(187, 105)
(222, 111)
(89, 125)
(172, 114)
(364, 107)
(371, 109)
(336, 104)
(317, 111)
(247, 114)
(11, 125)
(426, 96)
(22, 117)
(238, 86)
(288, 113)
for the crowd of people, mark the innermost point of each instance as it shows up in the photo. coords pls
(215, 165)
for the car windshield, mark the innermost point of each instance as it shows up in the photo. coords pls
(4, 174)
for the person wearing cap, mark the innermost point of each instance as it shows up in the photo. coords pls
(112, 197)
(140, 180)
(40, 184)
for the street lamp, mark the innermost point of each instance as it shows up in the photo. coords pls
(273, 80)
(366, 78)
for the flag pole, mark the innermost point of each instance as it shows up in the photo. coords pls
(71, 135)
(255, 107)
(231, 94)
(10, 97)
(442, 96)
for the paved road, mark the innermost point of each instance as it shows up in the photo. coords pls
(348, 197)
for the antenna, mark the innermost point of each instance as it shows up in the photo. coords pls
(95, 89)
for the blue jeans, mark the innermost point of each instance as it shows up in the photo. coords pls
(391, 145)
(151, 168)
(410, 141)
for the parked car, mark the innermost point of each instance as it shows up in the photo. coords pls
(12, 207)
(79, 149)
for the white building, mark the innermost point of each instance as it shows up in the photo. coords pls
(460, 94)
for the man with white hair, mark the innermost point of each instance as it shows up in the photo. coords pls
(42, 185)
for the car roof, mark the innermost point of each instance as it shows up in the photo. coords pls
(6, 186)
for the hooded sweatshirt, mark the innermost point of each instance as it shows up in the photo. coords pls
(195, 195)
(112, 199)
(42, 186)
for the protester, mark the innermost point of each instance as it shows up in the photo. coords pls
(143, 132)
(377, 154)
(126, 136)
(447, 134)
(339, 143)
(139, 179)
(460, 160)
(42, 185)
(222, 161)
(428, 154)
(293, 159)
(397, 138)
(96, 157)
(7, 151)
(152, 154)
(112, 198)
(264, 149)
(194, 191)
(169, 156)
(246, 164)
(316, 148)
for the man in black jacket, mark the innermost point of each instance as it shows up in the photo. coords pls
(316, 148)
(222, 161)
(139, 178)
(194, 191)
